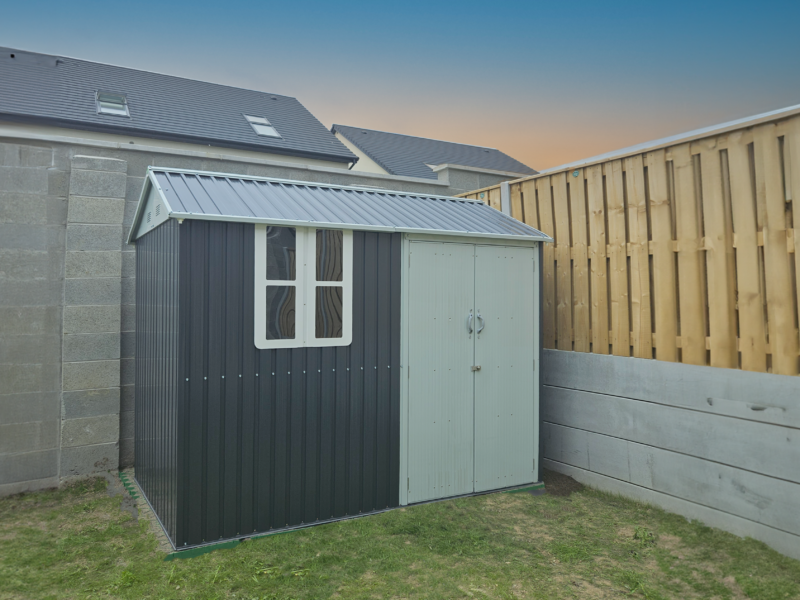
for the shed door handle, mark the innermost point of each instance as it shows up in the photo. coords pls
(476, 367)
(482, 325)
(469, 323)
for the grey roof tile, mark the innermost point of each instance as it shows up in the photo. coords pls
(61, 91)
(410, 156)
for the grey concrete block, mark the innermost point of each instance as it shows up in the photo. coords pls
(98, 163)
(91, 375)
(104, 290)
(128, 344)
(95, 210)
(21, 179)
(22, 487)
(28, 437)
(128, 317)
(28, 467)
(86, 460)
(30, 349)
(31, 237)
(126, 453)
(93, 264)
(128, 290)
(128, 264)
(18, 155)
(39, 292)
(23, 208)
(91, 346)
(35, 406)
(19, 320)
(93, 237)
(127, 219)
(99, 184)
(58, 183)
(19, 379)
(90, 430)
(24, 265)
(126, 424)
(92, 319)
(127, 398)
(128, 371)
(133, 188)
(90, 403)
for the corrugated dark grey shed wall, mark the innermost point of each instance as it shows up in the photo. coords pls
(157, 349)
(277, 438)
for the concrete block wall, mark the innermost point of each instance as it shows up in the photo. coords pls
(90, 426)
(34, 182)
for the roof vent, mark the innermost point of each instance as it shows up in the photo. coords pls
(112, 104)
(262, 127)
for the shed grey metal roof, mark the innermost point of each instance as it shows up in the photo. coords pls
(59, 91)
(223, 197)
(410, 156)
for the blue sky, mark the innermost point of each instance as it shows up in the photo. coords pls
(545, 82)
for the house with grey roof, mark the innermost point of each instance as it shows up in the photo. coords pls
(460, 165)
(77, 139)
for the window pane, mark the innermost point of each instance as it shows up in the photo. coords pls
(329, 255)
(280, 312)
(281, 253)
(329, 312)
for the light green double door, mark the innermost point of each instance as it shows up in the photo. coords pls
(472, 319)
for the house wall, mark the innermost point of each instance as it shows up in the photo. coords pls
(716, 445)
(365, 164)
(67, 294)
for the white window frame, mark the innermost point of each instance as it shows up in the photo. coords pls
(260, 126)
(305, 284)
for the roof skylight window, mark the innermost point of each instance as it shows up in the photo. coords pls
(112, 104)
(262, 127)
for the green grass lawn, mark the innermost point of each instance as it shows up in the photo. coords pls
(573, 542)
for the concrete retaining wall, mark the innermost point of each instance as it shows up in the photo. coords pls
(717, 445)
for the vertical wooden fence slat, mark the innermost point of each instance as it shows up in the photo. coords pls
(640, 258)
(752, 333)
(515, 193)
(597, 241)
(719, 261)
(792, 142)
(690, 279)
(493, 197)
(780, 302)
(528, 190)
(580, 263)
(545, 204)
(666, 315)
(563, 263)
(618, 253)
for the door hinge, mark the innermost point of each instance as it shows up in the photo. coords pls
(409, 260)
(534, 464)
(408, 372)
(408, 484)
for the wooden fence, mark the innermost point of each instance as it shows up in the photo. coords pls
(685, 253)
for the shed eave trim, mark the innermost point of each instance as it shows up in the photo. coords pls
(354, 226)
(150, 181)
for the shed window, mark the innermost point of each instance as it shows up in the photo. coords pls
(303, 287)
(262, 127)
(112, 104)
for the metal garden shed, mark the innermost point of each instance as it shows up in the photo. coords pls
(310, 352)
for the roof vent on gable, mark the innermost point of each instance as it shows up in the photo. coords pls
(262, 127)
(112, 104)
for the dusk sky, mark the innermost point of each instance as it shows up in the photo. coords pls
(547, 83)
